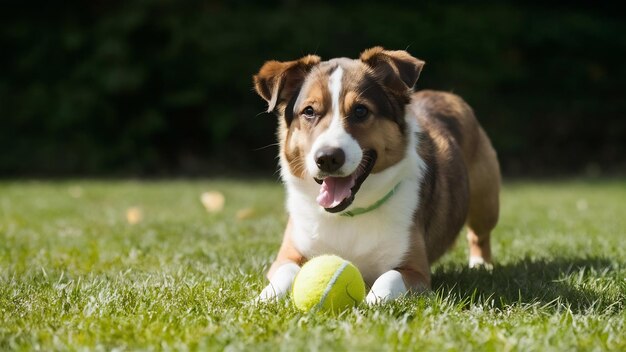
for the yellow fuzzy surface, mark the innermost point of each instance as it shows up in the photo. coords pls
(313, 288)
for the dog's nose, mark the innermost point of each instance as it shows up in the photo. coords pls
(330, 159)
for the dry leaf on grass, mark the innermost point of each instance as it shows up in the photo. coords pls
(213, 201)
(75, 191)
(134, 215)
(245, 213)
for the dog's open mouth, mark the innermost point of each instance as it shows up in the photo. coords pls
(337, 193)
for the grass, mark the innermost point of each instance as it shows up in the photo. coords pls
(75, 275)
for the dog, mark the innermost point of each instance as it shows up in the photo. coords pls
(376, 173)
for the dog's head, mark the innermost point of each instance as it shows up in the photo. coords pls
(341, 119)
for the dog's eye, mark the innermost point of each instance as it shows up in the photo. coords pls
(361, 112)
(309, 112)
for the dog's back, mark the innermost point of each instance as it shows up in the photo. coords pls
(462, 165)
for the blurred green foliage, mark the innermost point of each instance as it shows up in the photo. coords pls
(164, 87)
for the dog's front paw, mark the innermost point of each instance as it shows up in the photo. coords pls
(270, 293)
(280, 283)
(476, 262)
(387, 287)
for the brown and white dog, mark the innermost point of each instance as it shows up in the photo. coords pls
(375, 173)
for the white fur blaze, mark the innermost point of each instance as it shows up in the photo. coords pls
(334, 83)
(336, 136)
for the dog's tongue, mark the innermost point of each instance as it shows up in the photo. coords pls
(334, 190)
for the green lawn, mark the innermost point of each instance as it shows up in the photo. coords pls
(74, 274)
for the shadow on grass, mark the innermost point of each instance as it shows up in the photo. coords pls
(582, 284)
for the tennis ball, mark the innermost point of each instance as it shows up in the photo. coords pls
(328, 283)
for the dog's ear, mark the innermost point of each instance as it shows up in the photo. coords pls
(397, 69)
(277, 81)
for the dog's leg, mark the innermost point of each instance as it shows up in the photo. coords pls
(484, 205)
(413, 276)
(284, 269)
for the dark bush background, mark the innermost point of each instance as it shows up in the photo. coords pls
(164, 87)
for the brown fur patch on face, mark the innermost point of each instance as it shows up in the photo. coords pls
(294, 154)
(383, 136)
(300, 133)
(384, 130)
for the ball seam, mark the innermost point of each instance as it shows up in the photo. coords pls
(330, 284)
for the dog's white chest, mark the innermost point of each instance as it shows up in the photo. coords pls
(375, 242)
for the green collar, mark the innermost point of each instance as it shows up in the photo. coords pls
(359, 211)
